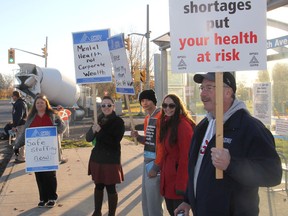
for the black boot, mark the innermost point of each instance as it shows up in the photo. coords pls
(98, 199)
(112, 203)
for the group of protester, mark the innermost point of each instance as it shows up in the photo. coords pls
(180, 157)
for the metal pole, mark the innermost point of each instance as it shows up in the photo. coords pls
(29, 52)
(147, 35)
(141, 84)
(46, 54)
(140, 68)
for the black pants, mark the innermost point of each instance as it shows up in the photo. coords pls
(47, 185)
(7, 128)
(172, 204)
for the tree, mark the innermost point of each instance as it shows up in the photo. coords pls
(2, 82)
(279, 88)
(243, 93)
(137, 60)
(6, 85)
(263, 76)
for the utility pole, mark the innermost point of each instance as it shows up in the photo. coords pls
(147, 35)
(46, 51)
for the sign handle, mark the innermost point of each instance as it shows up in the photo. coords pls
(130, 116)
(219, 116)
(94, 103)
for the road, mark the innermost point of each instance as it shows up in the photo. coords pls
(5, 112)
(5, 150)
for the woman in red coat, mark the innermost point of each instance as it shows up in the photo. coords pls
(175, 135)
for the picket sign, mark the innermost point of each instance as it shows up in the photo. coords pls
(122, 72)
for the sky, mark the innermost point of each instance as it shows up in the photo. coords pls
(26, 24)
(280, 14)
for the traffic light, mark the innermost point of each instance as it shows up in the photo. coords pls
(127, 43)
(44, 51)
(11, 56)
(136, 75)
(143, 76)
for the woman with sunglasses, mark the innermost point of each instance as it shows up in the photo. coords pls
(104, 163)
(42, 115)
(176, 131)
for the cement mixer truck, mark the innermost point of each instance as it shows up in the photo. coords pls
(59, 89)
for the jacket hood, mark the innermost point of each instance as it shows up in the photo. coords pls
(237, 105)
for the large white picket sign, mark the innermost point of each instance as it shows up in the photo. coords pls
(209, 35)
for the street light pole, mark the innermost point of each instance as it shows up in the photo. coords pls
(46, 46)
(147, 36)
(147, 51)
(141, 84)
(140, 67)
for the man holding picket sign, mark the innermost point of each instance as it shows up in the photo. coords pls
(224, 36)
(249, 159)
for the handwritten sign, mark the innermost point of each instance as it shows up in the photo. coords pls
(123, 77)
(208, 35)
(92, 57)
(41, 145)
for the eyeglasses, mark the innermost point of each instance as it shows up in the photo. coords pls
(171, 105)
(207, 88)
(106, 105)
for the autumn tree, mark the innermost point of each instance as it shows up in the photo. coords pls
(137, 61)
(279, 88)
(243, 92)
(6, 85)
(263, 76)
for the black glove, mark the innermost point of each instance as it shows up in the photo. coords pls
(16, 151)
(57, 122)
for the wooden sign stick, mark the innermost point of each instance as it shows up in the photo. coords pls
(219, 116)
(94, 103)
(130, 116)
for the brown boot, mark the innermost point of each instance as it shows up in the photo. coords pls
(98, 199)
(112, 203)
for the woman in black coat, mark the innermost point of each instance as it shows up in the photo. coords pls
(105, 160)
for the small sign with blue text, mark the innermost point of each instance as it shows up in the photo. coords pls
(41, 146)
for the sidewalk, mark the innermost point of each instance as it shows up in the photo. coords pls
(19, 194)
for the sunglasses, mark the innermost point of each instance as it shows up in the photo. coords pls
(106, 105)
(171, 105)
